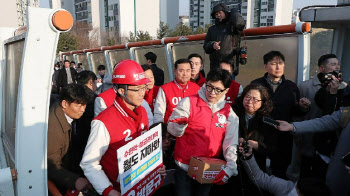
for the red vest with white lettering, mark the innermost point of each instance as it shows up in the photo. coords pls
(108, 96)
(205, 132)
(174, 93)
(232, 92)
(122, 129)
(201, 80)
(150, 96)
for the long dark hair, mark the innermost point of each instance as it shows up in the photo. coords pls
(266, 105)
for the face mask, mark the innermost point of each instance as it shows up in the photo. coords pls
(56, 68)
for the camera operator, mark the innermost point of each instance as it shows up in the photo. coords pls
(329, 97)
(337, 178)
(279, 186)
(223, 37)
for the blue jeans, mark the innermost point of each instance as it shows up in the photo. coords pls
(186, 186)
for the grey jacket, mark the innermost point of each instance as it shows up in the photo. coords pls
(337, 179)
(274, 185)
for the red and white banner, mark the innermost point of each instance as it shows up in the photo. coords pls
(138, 162)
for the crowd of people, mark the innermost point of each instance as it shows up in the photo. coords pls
(202, 115)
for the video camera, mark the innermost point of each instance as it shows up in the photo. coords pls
(325, 78)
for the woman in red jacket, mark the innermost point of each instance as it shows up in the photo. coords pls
(152, 90)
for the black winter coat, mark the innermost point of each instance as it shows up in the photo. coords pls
(285, 107)
(221, 31)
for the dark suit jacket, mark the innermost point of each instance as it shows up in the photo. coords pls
(158, 75)
(83, 127)
(62, 77)
(58, 158)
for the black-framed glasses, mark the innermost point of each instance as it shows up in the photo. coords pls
(216, 90)
(142, 90)
(253, 99)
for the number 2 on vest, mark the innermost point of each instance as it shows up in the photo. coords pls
(128, 132)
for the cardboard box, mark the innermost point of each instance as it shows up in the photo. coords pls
(204, 170)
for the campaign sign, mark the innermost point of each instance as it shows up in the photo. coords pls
(138, 162)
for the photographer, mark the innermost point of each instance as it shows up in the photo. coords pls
(337, 178)
(329, 97)
(279, 186)
(223, 37)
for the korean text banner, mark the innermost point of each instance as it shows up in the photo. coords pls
(138, 162)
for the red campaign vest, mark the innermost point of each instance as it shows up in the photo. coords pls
(201, 80)
(232, 92)
(108, 96)
(205, 132)
(118, 123)
(150, 96)
(174, 93)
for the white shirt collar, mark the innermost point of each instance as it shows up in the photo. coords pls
(69, 119)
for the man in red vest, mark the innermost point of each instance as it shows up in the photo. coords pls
(205, 126)
(236, 89)
(170, 94)
(197, 67)
(114, 127)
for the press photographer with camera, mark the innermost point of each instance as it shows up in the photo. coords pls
(329, 97)
(279, 186)
(223, 39)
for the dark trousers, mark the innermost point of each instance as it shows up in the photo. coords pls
(186, 186)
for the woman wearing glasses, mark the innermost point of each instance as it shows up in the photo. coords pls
(251, 107)
(205, 126)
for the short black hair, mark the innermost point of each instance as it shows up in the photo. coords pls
(323, 60)
(181, 61)
(74, 93)
(72, 62)
(195, 55)
(80, 65)
(222, 75)
(151, 56)
(146, 67)
(272, 54)
(84, 76)
(66, 61)
(101, 67)
(228, 61)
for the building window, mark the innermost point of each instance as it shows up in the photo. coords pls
(244, 7)
(263, 24)
(263, 10)
(244, 14)
(263, 17)
(269, 20)
(269, 24)
(270, 17)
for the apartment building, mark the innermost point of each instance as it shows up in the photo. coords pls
(259, 13)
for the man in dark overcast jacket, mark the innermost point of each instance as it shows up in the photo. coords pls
(223, 37)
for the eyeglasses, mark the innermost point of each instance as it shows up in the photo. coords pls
(140, 90)
(216, 90)
(253, 99)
